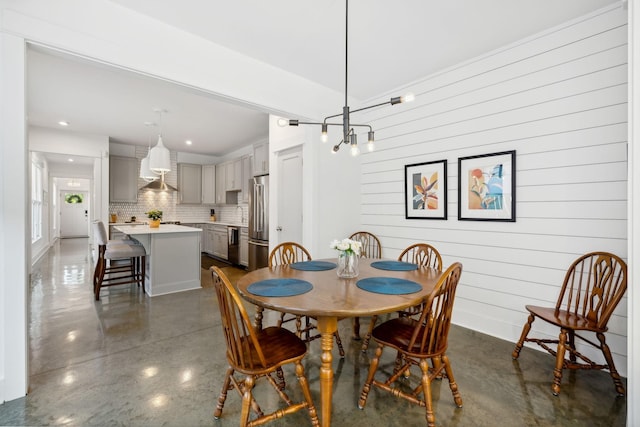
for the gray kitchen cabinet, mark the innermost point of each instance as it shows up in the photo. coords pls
(220, 244)
(209, 184)
(244, 246)
(261, 159)
(234, 175)
(221, 178)
(208, 238)
(123, 179)
(247, 174)
(189, 183)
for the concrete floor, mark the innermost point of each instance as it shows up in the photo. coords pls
(132, 360)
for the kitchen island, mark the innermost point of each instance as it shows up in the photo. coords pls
(173, 256)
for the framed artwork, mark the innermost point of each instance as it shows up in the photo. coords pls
(426, 190)
(486, 187)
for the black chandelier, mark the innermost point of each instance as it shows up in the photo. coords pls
(348, 134)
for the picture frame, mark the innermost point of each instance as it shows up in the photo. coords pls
(486, 187)
(426, 190)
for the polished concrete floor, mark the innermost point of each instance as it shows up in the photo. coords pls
(132, 360)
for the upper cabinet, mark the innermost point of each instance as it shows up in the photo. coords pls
(234, 175)
(189, 183)
(209, 184)
(247, 174)
(123, 179)
(261, 159)
(221, 178)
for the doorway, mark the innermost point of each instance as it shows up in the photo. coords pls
(74, 213)
(289, 224)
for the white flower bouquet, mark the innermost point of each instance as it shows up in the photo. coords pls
(347, 246)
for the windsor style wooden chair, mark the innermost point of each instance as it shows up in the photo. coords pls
(256, 354)
(416, 341)
(593, 286)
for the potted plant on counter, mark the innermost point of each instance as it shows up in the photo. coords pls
(155, 216)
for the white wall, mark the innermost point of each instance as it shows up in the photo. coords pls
(633, 322)
(560, 100)
(15, 230)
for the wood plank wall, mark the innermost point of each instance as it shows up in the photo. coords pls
(559, 99)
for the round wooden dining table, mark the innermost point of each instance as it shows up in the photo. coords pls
(332, 298)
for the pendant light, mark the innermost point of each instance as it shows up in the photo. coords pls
(159, 156)
(145, 170)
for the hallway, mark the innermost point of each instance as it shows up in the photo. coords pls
(132, 360)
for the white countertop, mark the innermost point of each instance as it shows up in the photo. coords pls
(138, 223)
(163, 229)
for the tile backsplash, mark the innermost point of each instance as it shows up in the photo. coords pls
(167, 203)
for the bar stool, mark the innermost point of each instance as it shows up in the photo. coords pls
(124, 261)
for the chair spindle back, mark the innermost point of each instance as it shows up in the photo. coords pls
(371, 247)
(288, 253)
(432, 330)
(422, 254)
(243, 348)
(593, 286)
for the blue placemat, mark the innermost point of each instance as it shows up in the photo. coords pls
(388, 285)
(280, 287)
(313, 265)
(394, 265)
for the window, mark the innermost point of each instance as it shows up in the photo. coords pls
(36, 202)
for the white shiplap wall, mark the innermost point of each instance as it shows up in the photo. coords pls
(560, 100)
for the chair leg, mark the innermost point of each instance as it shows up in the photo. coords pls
(246, 400)
(367, 338)
(223, 394)
(557, 371)
(617, 382)
(304, 385)
(99, 280)
(452, 382)
(525, 331)
(258, 318)
(336, 335)
(572, 346)
(143, 272)
(356, 328)
(281, 381)
(426, 389)
(367, 384)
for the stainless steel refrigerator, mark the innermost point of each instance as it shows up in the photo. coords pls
(258, 222)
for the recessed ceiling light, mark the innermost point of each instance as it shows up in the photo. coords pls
(188, 142)
(71, 160)
(63, 123)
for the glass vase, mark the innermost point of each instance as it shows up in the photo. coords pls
(347, 265)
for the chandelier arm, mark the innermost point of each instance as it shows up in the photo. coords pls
(371, 106)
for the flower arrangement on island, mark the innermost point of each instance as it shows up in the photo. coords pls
(154, 214)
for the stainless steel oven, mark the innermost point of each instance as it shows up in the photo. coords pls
(233, 235)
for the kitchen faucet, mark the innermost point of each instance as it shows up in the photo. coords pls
(241, 213)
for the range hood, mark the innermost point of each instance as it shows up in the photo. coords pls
(159, 185)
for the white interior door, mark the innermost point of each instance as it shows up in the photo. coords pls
(74, 213)
(289, 223)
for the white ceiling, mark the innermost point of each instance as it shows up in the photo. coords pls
(391, 43)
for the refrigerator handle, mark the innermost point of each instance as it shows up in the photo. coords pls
(259, 219)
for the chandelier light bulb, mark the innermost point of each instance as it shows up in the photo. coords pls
(371, 146)
(323, 136)
(283, 122)
(408, 97)
(355, 150)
